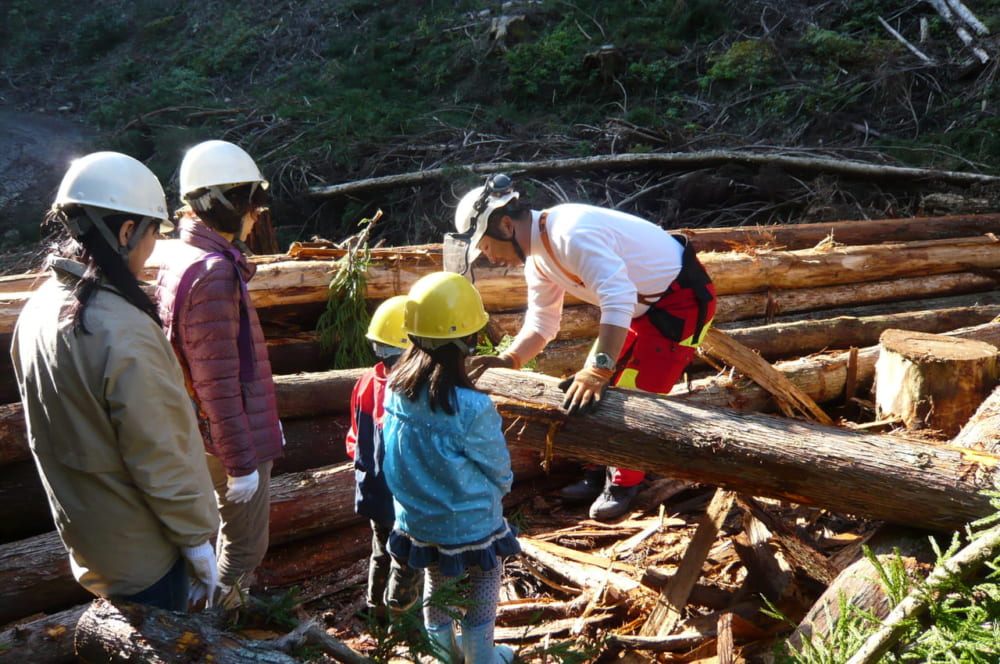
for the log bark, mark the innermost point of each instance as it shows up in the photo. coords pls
(45, 640)
(290, 284)
(35, 576)
(783, 340)
(962, 565)
(767, 305)
(789, 335)
(859, 584)
(932, 381)
(24, 509)
(871, 231)
(126, 633)
(313, 442)
(899, 480)
(297, 395)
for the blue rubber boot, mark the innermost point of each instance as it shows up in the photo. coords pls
(477, 644)
(446, 648)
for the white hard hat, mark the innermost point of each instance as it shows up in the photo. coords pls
(474, 210)
(217, 164)
(114, 182)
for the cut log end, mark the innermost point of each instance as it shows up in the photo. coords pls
(932, 381)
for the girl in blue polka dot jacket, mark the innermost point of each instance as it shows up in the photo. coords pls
(448, 467)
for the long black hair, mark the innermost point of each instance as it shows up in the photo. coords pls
(102, 262)
(442, 369)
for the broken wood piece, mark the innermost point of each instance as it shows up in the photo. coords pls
(549, 628)
(932, 381)
(822, 377)
(669, 643)
(702, 594)
(580, 574)
(790, 398)
(724, 641)
(531, 610)
(767, 575)
(669, 605)
(804, 555)
(308, 631)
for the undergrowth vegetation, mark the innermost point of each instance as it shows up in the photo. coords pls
(951, 616)
(328, 92)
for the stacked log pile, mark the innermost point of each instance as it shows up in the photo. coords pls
(786, 292)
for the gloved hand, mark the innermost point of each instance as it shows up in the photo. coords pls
(585, 389)
(480, 363)
(204, 572)
(242, 489)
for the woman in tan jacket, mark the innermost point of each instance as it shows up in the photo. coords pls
(110, 424)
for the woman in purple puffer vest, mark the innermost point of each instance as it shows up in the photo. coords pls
(214, 329)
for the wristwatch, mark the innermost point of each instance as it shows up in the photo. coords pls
(601, 361)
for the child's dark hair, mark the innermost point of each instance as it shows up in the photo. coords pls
(218, 217)
(102, 262)
(442, 370)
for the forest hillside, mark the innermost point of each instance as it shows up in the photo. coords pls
(324, 93)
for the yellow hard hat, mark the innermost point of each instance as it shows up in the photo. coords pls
(386, 326)
(444, 305)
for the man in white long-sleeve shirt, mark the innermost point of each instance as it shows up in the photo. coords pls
(656, 302)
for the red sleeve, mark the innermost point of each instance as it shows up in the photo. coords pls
(362, 408)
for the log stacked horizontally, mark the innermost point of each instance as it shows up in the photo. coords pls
(785, 291)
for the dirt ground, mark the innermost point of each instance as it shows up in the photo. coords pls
(542, 610)
(35, 149)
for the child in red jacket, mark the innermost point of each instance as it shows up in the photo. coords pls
(392, 588)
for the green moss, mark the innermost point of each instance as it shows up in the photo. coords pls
(748, 62)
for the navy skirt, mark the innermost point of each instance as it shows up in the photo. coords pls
(454, 559)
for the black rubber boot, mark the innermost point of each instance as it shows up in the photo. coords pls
(588, 488)
(613, 502)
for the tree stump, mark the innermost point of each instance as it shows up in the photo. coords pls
(932, 381)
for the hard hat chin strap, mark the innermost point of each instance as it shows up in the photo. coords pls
(77, 229)
(109, 237)
(512, 240)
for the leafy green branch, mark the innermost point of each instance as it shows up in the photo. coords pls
(342, 326)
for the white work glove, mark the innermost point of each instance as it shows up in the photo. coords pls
(205, 572)
(242, 489)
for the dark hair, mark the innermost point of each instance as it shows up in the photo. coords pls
(441, 369)
(220, 218)
(102, 262)
(515, 209)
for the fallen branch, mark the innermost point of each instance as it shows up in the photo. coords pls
(676, 160)
(902, 40)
